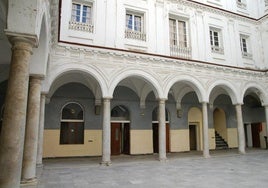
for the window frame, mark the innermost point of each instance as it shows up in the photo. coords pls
(245, 46)
(131, 32)
(81, 11)
(177, 33)
(216, 48)
(74, 123)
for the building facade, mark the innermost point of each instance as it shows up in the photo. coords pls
(102, 78)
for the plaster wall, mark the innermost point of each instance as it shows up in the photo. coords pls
(179, 140)
(92, 145)
(141, 142)
(232, 137)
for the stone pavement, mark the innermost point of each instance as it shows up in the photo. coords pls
(224, 169)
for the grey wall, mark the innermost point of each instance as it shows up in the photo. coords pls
(140, 119)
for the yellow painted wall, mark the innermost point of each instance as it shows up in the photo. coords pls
(211, 138)
(179, 140)
(195, 118)
(232, 137)
(262, 134)
(220, 123)
(52, 148)
(141, 141)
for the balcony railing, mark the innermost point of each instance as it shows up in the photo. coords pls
(136, 35)
(182, 52)
(217, 49)
(247, 55)
(79, 26)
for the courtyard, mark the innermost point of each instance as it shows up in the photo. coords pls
(225, 168)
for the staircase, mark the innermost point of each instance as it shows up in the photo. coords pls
(220, 142)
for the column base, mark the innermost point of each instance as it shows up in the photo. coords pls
(206, 156)
(31, 181)
(106, 163)
(163, 160)
(40, 165)
(242, 152)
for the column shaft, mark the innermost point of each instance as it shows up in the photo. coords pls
(106, 133)
(41, 131)
(205, 131)
(240, 129)
(13, 127)
(162, 130)
(31, 134)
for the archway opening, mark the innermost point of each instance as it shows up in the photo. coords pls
(195, 128)
(72, 124)
(221, 134)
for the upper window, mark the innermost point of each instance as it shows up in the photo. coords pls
(216, 40)
(81, 17)
(266, 3)
(135, 26)
(245, 47)
(72, 124)
(241, 4)
(178, 37)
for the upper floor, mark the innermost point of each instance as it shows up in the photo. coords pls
(217, 31)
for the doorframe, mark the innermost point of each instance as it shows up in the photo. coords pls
(123, 122)
(169, 144)
(198, 133)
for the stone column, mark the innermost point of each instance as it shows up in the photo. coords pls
(162, 130)
(13, 127)
(106, 133)
(205, 130)
(39, 161)
(240, 129)
(31, 132)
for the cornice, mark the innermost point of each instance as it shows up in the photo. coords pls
(215, 10)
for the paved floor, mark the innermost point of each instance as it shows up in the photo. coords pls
(223, 169)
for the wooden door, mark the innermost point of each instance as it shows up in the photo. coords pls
(115, 139)
(156, 138)
(126, 139)
(192, 135)
(167, 139)
(255, 131)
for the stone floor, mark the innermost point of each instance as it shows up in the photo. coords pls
(224, 169)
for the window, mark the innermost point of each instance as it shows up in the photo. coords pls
(135, 26)
(81, 17)
(244, 44)
(72, 124)
(178, 39)
(216, 40)
(241, 4)
(266, 3)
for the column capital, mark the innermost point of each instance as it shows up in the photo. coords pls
(13, 37)
(161, 99)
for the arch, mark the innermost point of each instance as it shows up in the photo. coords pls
(84, 72)
(190, 80)
(149, 78)
(39, 59)
(72, 111)
(254, 87)
(120, 112)
(224, 86)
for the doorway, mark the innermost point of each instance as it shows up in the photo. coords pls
(255, 131)
(192, 136)
(120, 138)
(156, 138)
